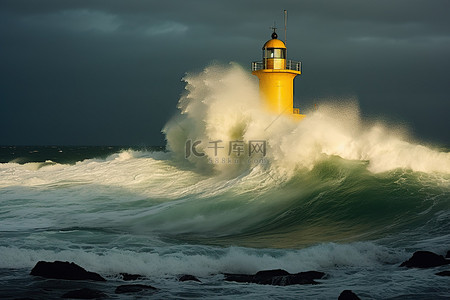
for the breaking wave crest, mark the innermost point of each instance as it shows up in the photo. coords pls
(221, 104)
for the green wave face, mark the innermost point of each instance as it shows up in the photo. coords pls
(337, 200)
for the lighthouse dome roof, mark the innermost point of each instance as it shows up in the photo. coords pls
(274, 43)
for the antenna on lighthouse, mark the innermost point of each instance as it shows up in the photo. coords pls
(285, 26)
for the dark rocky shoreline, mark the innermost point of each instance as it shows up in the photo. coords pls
(277, 277)
(90, 283)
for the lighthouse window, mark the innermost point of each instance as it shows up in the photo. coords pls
(274, 53)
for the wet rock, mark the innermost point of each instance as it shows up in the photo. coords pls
(84, 293)
(312, 275)
(348, 295)
(443, 273)
(188, 278)
(274, 277)
(277, 277)
(134, 288)
(130, 277)
(64, 270)
(425, 259)
(239, 277)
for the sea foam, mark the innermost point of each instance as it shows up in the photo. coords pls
(176, 260)
(221, 103)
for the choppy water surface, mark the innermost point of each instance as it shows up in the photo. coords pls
(332, 193)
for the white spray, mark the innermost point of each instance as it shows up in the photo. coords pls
(222, 103)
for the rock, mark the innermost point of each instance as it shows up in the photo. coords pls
(348, 295)
(84, 293)
(188, 278)
(277, 277)
(239, 277)
(425, 259)
(312, 274)
(63, 270)
(269, 276)
(134, 288)
(443, 273)
(129, 277)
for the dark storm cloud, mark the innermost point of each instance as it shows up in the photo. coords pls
(108, 72)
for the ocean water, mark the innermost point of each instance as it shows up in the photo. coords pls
(235, 190)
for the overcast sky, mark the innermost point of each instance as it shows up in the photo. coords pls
(109, 72)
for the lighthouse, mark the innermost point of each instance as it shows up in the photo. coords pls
(276, 78)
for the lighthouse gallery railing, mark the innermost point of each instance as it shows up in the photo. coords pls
(290, 65)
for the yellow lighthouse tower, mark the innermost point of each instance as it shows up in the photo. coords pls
(276, 78)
